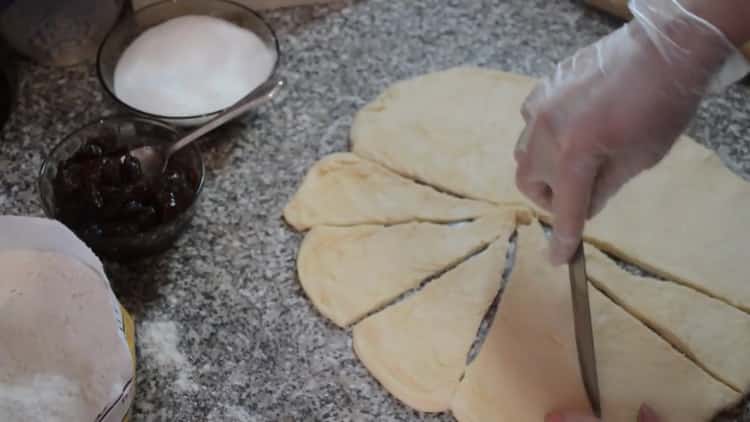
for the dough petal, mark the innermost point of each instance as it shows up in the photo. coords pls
(711, 332)
(343, 189)
(417, 348)
(637, 366)
(528, 364)
(350, 271)
(453, 129)
(681, 219)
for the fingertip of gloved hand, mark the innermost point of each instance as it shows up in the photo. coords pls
(570, 417)
(554, 417)
(647, 414)
(561, 248)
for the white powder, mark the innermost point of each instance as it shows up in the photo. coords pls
(158, 341)
(191, 65)
(227, 413)
(49, 398)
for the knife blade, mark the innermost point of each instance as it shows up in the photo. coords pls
(583, 329)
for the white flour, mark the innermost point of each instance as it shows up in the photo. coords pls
(191, 65)
(158, 341)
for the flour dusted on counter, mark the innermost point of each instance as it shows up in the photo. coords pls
(159, 341)
(191, 65)
(63, 354)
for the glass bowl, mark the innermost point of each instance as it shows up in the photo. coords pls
(133, 24)
(127, 132)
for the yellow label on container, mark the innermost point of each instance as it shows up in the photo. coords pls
(127, 322)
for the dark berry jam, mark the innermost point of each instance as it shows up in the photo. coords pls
(101, 193)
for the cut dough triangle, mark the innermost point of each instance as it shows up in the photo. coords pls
(637, 366)
(679, 219)
(350, 271)
(713, 333)
(453, 129)
(343, 189)
(528, 364)
(417, 348)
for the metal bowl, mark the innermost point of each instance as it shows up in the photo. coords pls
(125, 132)
(134, 24)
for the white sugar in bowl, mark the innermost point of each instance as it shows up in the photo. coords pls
(185, 61)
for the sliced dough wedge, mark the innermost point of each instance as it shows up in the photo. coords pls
(683, 220)
(343, 189)
(348, 272)
(679, 219)
(713, 333)
(417, 349)
(527, 366)
(453, 129)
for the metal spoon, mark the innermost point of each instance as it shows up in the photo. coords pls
(154, 159)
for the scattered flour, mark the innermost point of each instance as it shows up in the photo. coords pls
(158, 341)
(230, 414)
(191, 65)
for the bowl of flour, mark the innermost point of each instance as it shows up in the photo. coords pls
(184, 61)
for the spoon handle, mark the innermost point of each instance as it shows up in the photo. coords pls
(260, 95)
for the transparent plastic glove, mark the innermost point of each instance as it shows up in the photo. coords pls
(614, 109)
(645, 414)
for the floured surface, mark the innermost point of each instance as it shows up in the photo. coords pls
(350, 271)
(528, 364)
(453, 129)
(65, 346)
(710, 331)
(417, 348)
(343, 189)
(679, 219)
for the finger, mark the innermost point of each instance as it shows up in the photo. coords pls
(537, 96)
(570, 417)
(536, 162)
(647, 414)
(521, 143)
(539, 192)
(571, 202)
(608, 182)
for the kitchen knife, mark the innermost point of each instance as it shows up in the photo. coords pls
(583, 328)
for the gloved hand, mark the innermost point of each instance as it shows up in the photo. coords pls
(645, 414)
(614, 109)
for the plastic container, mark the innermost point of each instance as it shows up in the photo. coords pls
(58, 33)
(48, 236)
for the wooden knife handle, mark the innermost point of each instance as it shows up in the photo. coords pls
(620, 8)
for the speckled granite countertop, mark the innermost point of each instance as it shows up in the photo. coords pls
(225, 332)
